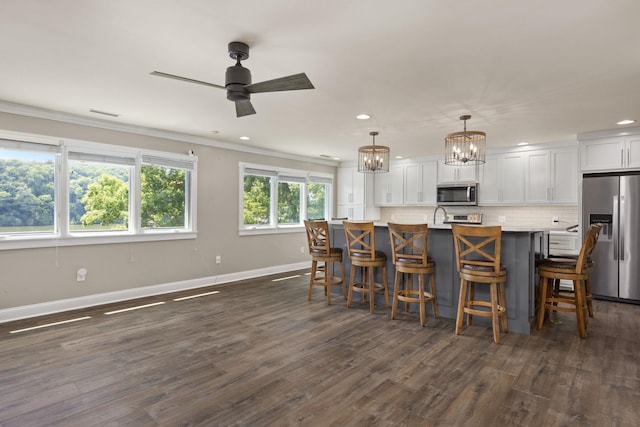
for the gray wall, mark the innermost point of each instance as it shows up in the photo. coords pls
(32, 276)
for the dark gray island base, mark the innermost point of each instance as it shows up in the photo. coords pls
(520, 249)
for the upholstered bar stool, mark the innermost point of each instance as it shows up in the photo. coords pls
(321, 251)
(409, 254)
(553, 269)
(361, 246)
(478, 262)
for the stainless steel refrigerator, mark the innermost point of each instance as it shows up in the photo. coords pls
(614, 201)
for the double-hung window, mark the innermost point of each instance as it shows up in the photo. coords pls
(275, 199)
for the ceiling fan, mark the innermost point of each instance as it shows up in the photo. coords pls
(238, 81)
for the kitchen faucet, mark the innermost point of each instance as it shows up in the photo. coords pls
(436, 211)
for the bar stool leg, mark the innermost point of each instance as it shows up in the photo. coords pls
(461, 304)
(352, 276)
(472, 297)
(494, 313)
(544, 282)
(432, 288)
(370, 284)
(421, 298)
(580, 297)
(396, 292)
(503, 303)
(314, 267)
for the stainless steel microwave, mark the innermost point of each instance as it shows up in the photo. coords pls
(458, 194)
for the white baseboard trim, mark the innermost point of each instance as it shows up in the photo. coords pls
(51, 307)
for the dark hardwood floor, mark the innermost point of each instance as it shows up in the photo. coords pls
(258, 354)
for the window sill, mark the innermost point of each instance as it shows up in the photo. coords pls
(271, 230)
(25, 242)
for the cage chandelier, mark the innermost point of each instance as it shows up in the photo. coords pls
(465, 148)
(373, 158)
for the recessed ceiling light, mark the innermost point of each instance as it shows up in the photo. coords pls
(626, 122)
(399, 157)
(245, 138)
(363, 117)
(523, 143)
(336, 158)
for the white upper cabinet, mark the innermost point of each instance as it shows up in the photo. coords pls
(351, 188)
(389, 187)
(452, 174)
(621, 152)
(420, 181)
(502, 180)
(551, 176)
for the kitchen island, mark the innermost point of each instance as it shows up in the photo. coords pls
(521, 247)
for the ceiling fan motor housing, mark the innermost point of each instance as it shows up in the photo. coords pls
(236, 78)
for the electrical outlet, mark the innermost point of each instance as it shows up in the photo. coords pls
(502, 219)
(554, 219)
(218, 259)
(81, 274)
(301, 249)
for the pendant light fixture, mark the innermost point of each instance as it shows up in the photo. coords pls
(373, 158)
(465, 148)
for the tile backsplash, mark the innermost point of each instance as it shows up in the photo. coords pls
(535, 216)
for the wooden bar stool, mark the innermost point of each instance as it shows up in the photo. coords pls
(361, 246)
(321, 251)
(409, 254)
(572, 259)
(577, 270)
(478, 261)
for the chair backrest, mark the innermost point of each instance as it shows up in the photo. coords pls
(361, 242)
(588, 245)
(478, 247)
(409, 244)
(318, 236)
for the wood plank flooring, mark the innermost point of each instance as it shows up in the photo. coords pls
(258, 354)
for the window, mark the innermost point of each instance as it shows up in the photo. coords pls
(275, 199)
(27, 187)
(164, 195)
(102, 192)
(99, 189)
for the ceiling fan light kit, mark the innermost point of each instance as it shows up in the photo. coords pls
(238, 81)
(373, 158)
(466, 148)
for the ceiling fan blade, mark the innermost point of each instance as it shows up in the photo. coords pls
(293, 82)
(184, 79)
(244, 108)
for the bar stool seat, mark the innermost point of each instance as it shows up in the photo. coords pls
(321, 252)
(478, 261)
(360, 237)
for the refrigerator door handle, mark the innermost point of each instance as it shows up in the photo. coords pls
(621, 227)
(615, 227)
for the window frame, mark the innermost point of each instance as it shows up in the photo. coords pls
(303, 177)
(62, 235)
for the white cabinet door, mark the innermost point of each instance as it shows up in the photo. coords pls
(389, 187)
(512, 182)
(452, 174)
(633, 151)
(490, 182)
(420, 180)
(502, 180)
(351, 212)
(602, 154)
(537, 186)
(564, 176)
(351, 186)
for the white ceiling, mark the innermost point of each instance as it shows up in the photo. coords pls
(529, 70)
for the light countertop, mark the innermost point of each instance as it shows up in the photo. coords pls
(505, 227)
